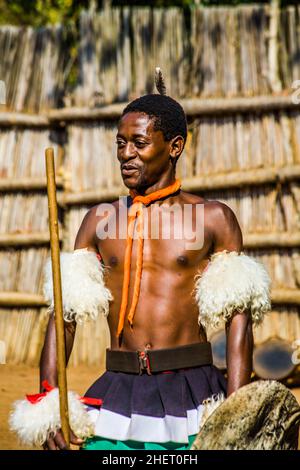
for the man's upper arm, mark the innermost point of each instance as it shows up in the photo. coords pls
(86, 234)
(227, 234)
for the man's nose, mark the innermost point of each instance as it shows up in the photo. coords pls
(129, 151)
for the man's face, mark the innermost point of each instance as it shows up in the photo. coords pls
(143, 153)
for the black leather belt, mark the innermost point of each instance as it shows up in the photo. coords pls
(159, 360)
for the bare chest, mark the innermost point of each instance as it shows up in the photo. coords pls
(174, 240)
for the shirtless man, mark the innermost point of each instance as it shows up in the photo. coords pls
(151, 137)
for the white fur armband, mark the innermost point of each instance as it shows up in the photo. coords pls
(232, 281)
(35, 422)
(83, 290)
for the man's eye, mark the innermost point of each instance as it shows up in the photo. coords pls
(120, 143)
(140, 144)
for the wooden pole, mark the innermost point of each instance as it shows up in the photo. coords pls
(11, 299)
(233, 179)
(26, 184)
(58, 305)
(24, 239)
(21, 300)
(273, 46)
(193, 107)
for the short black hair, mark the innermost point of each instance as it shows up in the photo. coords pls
(168, 115)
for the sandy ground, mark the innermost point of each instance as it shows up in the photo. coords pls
(17, 380)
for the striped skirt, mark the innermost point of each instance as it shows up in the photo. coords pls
(159, 411)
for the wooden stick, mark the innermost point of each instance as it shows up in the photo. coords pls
(58, 305)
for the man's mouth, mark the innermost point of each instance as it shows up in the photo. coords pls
(128, 170)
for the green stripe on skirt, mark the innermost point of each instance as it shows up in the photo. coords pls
(100, 443)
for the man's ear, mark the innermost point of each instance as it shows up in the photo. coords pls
(176, 147)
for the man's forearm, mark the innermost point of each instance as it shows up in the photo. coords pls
(239, 352)
(48, 368)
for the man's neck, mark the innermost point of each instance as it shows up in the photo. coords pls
(164, 181)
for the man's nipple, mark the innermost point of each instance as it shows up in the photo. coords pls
(113, 261)
(182, 260)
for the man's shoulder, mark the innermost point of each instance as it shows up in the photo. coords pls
(191, 198)
(213, 206)
(220, 215)
(218, 209)
(224, 226)
(103, 211)
(104, 207)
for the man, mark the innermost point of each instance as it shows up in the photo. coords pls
(159, 405)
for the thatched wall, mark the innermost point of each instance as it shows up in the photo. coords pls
(248, 159)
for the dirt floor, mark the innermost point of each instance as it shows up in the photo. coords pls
(17, 380)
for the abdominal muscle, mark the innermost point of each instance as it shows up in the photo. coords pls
(158, 323)
(166, 314)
